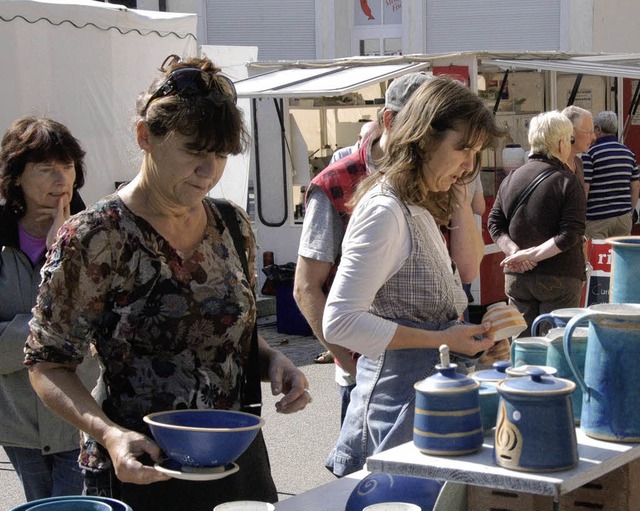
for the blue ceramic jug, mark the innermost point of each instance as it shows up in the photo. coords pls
(624, 286)
(555, 319)
(610, 384)
(447, 411)
(556, 358)
(535, 429)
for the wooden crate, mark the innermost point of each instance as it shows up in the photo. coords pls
(489, 499)
(618, 490)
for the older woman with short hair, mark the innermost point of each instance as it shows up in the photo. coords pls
(538, 221)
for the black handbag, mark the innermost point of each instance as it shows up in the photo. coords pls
(250, 387)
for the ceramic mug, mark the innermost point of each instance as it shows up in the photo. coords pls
(529, 351)
(556, 319)
(506, 321)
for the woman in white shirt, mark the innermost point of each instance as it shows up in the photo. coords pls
(397, 295)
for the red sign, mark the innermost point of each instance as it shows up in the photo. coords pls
(460, 73)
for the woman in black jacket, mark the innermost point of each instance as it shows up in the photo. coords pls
(542, 232)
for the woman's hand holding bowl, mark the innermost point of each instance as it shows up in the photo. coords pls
(125, 447)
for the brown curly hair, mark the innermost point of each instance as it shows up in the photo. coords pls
(438, 105)
(211, 118)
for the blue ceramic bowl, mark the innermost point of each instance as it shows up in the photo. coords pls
(203, 438)
(73, 502)
(379, 487)
(72, 505)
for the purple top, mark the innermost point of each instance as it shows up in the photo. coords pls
(32, 246)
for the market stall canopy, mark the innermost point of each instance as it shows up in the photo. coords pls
(314, 82)
(83, 63)
(623, 65)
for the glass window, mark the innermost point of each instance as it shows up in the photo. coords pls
(370, 47)
(393, 46)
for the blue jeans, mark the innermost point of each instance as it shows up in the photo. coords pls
(345, 397)
(46, 475)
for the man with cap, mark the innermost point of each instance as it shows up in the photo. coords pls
(326, 220)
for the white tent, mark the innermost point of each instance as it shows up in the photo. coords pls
(83, 63)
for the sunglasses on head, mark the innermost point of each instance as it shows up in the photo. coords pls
(189, 81)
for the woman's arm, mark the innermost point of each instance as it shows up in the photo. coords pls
(62, 391)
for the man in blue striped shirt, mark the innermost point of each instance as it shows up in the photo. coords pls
(611, 181)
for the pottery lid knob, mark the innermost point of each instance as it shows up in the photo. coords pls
(444, 356)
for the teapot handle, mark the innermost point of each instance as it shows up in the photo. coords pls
(540, 319)
(568, 333)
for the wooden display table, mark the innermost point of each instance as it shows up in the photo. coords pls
(597, 459)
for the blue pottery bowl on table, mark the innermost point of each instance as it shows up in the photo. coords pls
(379, 487)
(74, 503)
(203, 438)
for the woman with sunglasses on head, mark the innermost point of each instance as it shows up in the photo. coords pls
(538, 221)
(397, 294)
(151, 277)
(41, 169)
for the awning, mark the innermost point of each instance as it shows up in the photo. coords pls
(322, 81)
(627, 66)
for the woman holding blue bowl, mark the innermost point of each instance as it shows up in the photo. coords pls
(150, 276)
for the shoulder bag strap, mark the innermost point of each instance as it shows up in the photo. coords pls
(524, 195)
(250, 389)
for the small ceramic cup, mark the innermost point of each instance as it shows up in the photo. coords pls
(506, 320)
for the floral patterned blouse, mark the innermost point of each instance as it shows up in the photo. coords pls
(170, 332)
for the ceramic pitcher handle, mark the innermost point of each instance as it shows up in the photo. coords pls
(568, 333)
(543, 317)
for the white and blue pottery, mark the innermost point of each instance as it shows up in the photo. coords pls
(557, 358)
(447, 411)
(529, 351)
(555, 319)
(610, 390)
(625, 269)
(379, 487)
(535, 431)
(203, 438)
